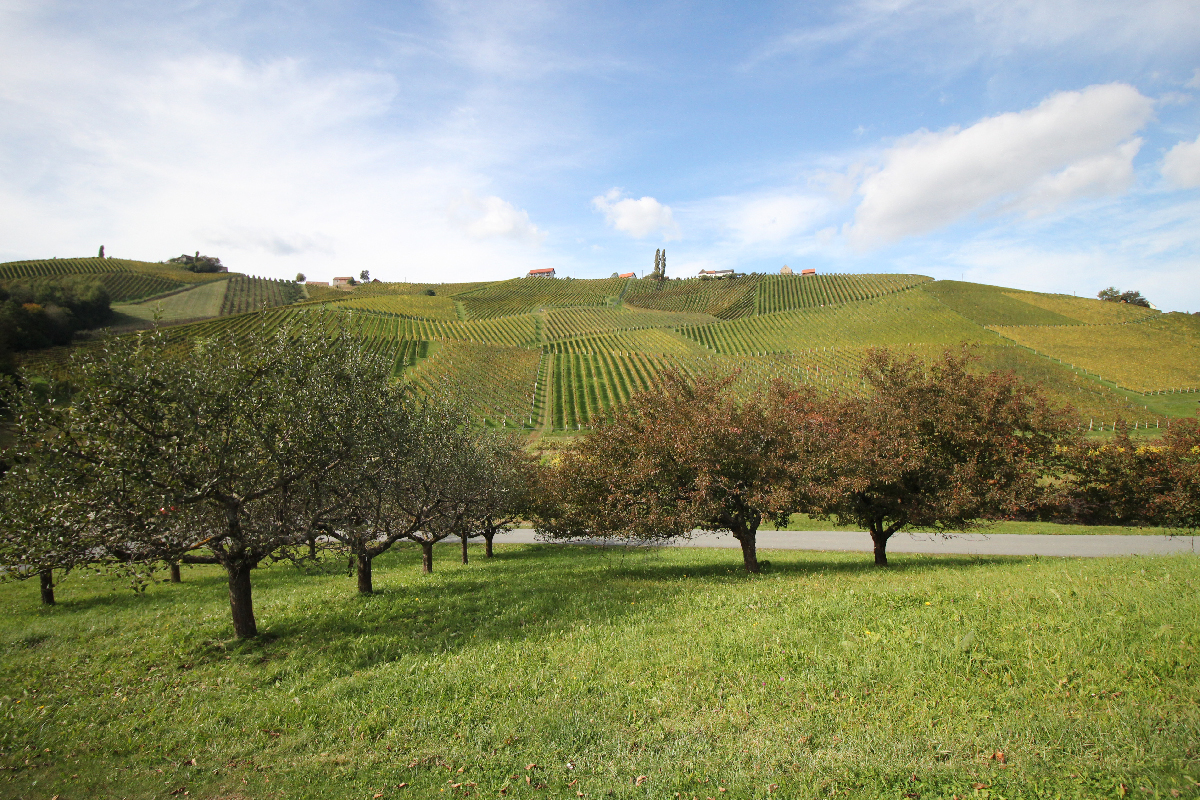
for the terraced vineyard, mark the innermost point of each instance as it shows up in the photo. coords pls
(558, 354)
(524, 295)
(1148, 356)
(406, 305)
(788, 292)
(62, 266)
(727, 298)
(124, 287)
(571, 322)
(1083, 309)
(254, 294)
(499, 382)
(647, 340)
(907, 318)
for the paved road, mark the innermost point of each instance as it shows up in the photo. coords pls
(972, 543)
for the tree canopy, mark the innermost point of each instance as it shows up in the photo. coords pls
(1114, 295)
(211, 456)
(938, 447)
(685, 455)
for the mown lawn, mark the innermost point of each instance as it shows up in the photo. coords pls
(554, 671)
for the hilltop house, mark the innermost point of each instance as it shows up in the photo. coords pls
(627, 275)
(786, 270)
(541, 273)
(808, 272)
(717, 273)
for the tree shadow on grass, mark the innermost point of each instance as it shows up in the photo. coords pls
(525, 592)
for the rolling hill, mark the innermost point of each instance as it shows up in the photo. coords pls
(554, 355)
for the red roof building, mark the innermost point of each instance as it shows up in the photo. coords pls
(627, 275)
(541, 273)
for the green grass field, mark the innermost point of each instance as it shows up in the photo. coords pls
(200, 302)
(556, 671)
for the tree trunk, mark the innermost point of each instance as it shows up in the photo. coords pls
(176, 577)
(746, 537)
(312, 548)
(364, 574)
(464, 548)
(426, 557)
(240, 601)
(47, 580)
(487, 544)
(879, 537)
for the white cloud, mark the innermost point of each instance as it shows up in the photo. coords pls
(1106, 174)
(487, 217)
(274, 165)
(1181, 165)
(639, 218)
(1070, 145)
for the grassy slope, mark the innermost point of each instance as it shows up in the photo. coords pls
(202, 301)
(1139, 356)
(583, 669)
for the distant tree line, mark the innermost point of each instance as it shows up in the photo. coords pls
(289, 444)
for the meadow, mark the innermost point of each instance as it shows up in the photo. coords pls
(563, 671)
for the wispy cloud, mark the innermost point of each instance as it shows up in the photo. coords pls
(955, 34)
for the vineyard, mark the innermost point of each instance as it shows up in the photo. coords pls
(990, 305)
(1145, 357)
(647, 340)
(572, 322)
(254, 294)
(788, 292)
(125, 287)
(62, 266)
(406, 305)
(524, 295)
(558, 354)
(907, 318)
(499, 382)
(728, 298)
(1084, 309)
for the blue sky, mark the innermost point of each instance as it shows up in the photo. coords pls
(1047, 146)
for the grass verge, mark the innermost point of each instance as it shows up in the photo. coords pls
(557, 671)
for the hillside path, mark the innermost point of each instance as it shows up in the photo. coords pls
(996, 544)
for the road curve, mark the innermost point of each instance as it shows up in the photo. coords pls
(995, 544)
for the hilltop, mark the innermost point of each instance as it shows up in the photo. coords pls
(553, 354)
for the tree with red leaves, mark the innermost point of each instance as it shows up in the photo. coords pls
(938, 447)
(686, 455)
